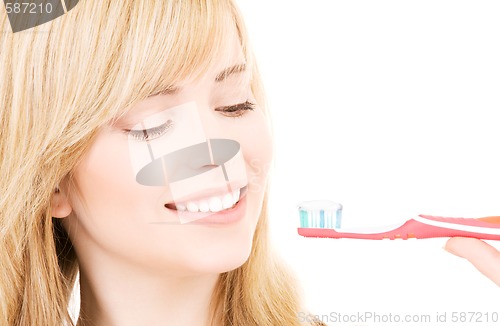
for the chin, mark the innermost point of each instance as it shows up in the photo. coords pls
(221, 259)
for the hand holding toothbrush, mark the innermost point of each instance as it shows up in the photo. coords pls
(483, 256)
(322, 218)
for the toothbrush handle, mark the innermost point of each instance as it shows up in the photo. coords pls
(435, 226)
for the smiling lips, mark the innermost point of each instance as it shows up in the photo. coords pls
(213, 204)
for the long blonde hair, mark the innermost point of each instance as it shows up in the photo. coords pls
(60, 82)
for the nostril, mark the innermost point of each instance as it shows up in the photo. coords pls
(211, 165)
(205, 168)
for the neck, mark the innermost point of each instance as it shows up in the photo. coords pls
(118, 295)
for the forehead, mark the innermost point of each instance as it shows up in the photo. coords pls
(231, 55)
(229, 64)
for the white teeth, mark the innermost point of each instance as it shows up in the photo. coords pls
(180, 207)
(192, 207)
(212, 204)
(215, 204)
(204, 207)
(227, 201)
(236, 195)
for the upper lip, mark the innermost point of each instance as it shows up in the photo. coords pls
(209, 192)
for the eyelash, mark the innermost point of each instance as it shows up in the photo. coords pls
(234, 111)
(238, 110)
(151, 133)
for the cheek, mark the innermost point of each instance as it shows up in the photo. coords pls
(258, 152)
(104, 170)
(263, 149)
(106, 182)
(112, 211)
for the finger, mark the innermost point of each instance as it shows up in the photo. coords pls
(483, 256)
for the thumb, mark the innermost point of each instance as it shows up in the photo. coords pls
(483, 256)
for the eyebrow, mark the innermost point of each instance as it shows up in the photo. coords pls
(168, 91)
(223, 75)
(230, 71)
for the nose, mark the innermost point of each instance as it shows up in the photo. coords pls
(188, 162)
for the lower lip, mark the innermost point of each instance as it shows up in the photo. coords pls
(227, 216)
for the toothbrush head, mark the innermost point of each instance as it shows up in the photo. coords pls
(320, 214)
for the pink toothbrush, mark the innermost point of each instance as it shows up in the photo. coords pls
(322, 219)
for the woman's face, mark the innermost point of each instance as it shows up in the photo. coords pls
(117, 218)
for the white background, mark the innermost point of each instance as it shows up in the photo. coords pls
(390, 108)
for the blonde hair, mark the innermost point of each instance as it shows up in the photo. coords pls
(63, 80)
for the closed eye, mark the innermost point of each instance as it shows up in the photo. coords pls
(150, 133)
(237, 110)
